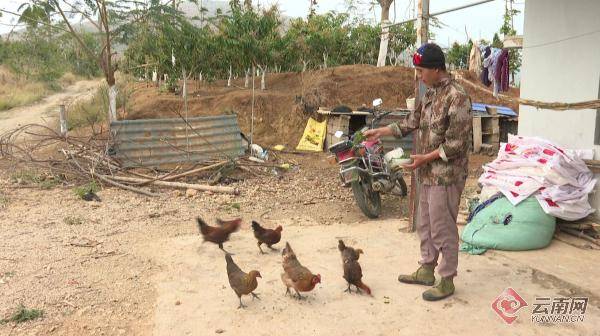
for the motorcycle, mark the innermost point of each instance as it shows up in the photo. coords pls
(365, 168)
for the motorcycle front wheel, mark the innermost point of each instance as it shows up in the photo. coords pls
(368, 201)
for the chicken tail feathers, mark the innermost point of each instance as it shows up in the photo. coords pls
(341, 245)
(229, 259)
(201, 224)
(364, 287)
(232, 267)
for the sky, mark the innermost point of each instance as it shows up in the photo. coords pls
(480, 21)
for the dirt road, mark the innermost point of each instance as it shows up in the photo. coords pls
(45, 112)
(131, 265)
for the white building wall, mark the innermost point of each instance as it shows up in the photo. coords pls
(561, 63)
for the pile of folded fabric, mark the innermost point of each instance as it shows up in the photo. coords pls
(531, 166)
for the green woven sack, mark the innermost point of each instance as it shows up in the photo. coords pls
(503, 226)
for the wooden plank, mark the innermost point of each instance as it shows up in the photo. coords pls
(495, 125)
(477, 134)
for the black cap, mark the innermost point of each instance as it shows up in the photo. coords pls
(430, 56)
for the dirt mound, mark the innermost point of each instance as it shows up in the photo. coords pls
(481, 96)
(282, 110)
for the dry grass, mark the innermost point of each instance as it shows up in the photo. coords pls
(15, 91)
(93, 112)
(18, 92)
(69, 79)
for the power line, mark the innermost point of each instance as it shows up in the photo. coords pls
(445, 11)
(562, 40)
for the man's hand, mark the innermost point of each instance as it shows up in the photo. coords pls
(422, 159)
(376, 133)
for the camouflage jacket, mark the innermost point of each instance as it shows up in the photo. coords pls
(445, 121)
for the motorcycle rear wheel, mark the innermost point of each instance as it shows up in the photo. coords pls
(368, 201)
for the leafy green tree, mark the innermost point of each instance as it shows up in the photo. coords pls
(458, 54)
(109, 17)
(506, 30)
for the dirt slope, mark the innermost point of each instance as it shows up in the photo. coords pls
(282, 110)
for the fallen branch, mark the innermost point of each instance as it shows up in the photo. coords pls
(574, 241)
(107, 179)
(576, 226)
(159, 178)
(85, 242)
(580, 234)
(194, 171)
(181, 185)
(246, 169)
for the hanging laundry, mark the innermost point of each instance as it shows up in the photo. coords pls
(494, 58)
(487, 52)
(502, 71)
(475, 59)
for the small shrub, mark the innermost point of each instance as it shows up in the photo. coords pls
(82, 190)
(23, 314)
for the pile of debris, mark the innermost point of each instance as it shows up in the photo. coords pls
(73, 160)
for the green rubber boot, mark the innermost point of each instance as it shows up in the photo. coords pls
(422, 276)
(440, 291)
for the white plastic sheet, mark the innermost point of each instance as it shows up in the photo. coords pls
(531, 166)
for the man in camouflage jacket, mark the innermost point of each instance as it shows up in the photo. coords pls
(444, 123)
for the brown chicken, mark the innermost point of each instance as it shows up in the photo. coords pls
(229, 224)
(241, 283)
(218, 234)
(352, 270)
(268, 237)
(295, 275)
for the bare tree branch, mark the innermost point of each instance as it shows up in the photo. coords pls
(77, 10)
(72, 31)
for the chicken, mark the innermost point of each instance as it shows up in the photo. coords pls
(295, 275)
(232, 224)
(218, 234)
(242, 283)
(268, 237)
(90, 195)
(352, 270)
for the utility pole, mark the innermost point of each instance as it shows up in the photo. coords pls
(422, 37)
(422, 22)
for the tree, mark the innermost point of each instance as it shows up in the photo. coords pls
(385, 31)
(506, 30)
(112, 17)
(249, 36)
(326, 39)
(364, 39)
(496, 42)
(458, 55)
(45, 51)
(312, 8)
(402, 37)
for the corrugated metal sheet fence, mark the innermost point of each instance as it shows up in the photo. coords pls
(154, 142)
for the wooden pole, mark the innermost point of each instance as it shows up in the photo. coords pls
(217, 189)
(63, 120)
(422, 37)
(185, 104)
(252, 108)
